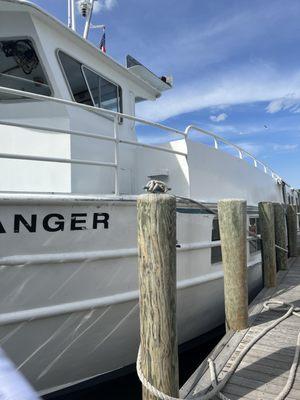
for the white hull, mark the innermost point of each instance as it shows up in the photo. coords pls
(69, 299)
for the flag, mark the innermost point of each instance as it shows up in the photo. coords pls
(102, 43)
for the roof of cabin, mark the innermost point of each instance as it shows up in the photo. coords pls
(33, 8)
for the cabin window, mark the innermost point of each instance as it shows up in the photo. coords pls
(75, 78)
(254, 229)
(20, 68)
(216, 253)
(105, 93)
(88, 87)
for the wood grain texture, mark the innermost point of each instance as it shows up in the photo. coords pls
(291, 218)
(280, 236)
(266, 219)
(232, 223)
(156, 215)
(232, 343)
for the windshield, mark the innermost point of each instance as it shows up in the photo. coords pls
(21, 69)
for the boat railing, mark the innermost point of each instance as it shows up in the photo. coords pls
(240, 151)
(116, 139)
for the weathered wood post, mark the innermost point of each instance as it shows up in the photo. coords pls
(233, 233)
(156, 215)
(266, 220)
(291, 218)
(280, 236)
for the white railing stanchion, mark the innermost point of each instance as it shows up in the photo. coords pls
(240, 154)
(255, 162)
(216, 144)
(117, 154)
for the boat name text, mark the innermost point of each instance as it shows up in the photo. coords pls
(56, 222)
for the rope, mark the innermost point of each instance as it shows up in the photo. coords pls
(218, 386)
(155, 186)
(281, 248)
(212, 211)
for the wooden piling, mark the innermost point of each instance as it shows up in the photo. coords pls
(280, 236)
(291, 217)
(232, 223)
(156, 215)
(266, 219)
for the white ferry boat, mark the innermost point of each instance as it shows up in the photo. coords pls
(71, 167)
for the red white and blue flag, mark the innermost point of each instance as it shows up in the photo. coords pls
(102, 43)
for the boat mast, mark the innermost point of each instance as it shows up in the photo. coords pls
(71, 15)
(86, 9)
(88, 19)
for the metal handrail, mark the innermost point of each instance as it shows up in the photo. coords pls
(239, 149)
(96, 110)
(115, 138)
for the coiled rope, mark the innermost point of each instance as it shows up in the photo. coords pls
(218, 386)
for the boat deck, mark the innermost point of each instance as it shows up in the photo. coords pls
(264, 370)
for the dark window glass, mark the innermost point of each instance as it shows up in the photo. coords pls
(76, 79)
(21, 69)
(105, 94)
(216, 253)
(254, 228)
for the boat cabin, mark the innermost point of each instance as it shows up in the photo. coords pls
(38, 54)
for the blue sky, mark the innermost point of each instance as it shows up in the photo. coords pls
(235, 63)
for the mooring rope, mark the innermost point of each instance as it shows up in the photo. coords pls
(156, 186)
(217, 387)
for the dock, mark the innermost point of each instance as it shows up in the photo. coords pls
(264, 370)
(259, 355)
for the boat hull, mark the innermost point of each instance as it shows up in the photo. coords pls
(69, 285)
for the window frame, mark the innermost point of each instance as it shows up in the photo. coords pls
(108, 80)
(44, 69)
(212, 249)
(257, 250)
(82, 66)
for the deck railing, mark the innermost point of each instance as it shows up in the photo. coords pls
(116, 139)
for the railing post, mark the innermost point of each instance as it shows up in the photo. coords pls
(266, 219)
(280, 236)
(156, 214)
(292, 230)
(232, 223)
(117, 154)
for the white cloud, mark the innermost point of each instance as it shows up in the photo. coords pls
(241, 86)
(104, 5)
(285, 147)
(289, 102)
(218, 118)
